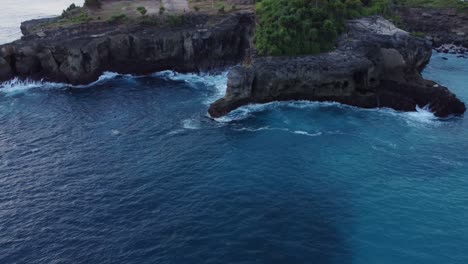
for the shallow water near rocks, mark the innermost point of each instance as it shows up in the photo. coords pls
(129, 169)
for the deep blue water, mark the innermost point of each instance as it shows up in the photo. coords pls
(130, 170)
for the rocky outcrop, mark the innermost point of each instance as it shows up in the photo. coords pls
(80, 54)
(375, 65)
(441, 26)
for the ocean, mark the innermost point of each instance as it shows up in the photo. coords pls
(130, 169)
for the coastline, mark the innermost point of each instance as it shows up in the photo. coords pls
(79, 54)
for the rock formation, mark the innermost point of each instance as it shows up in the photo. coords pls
(375, 65)
(81, 53)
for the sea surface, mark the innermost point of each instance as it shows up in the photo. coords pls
(130, 169)
(13, 12)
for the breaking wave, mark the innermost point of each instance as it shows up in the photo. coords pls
(17, 85)
(215, 81)
(420, 115)
(297, 132)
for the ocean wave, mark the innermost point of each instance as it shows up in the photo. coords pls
(248, 110)
(422, 116)
(17, 85)
(297, 132)
(216, 81)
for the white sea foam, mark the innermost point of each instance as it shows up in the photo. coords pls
(421, 115)
(105, 76)
(247, 110)
(17, 85)
(304, 133)
(175, 132)
(215, 81)
(115, 132)
(255, 129)
(191, 124)
(297, 132)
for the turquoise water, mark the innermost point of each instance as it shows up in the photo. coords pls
(130, 170)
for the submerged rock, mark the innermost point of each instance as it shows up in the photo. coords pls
(375, 65)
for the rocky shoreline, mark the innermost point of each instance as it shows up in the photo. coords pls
(375, 63)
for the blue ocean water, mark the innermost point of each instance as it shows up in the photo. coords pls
(130, 170)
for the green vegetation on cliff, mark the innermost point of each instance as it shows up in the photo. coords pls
(295, 27)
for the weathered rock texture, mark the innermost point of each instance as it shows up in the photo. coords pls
(442, 26)
(81, 53)
(375, 65)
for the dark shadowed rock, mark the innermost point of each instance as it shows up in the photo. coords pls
(375, 65)
(5, 69)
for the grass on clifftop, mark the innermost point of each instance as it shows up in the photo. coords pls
(297, 27)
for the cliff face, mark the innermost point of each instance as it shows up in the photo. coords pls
(442, 26)
(375, 65)
(80, 54)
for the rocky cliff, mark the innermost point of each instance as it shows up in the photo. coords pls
(79, 54)
(375, 65)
